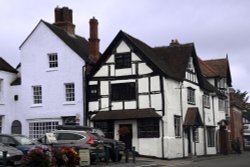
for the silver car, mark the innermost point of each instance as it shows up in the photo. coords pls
(78, 140)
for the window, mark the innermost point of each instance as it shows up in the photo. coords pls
(107, 128)
(37, 94)
(123, 91)
(53, 60)
(210, 136)
(222, 105)
(93, 92)
(1, 90)
(68, 136)
(191, 95)
(206, 101)
(222, 83)
(148, 128)
(190, 66)
(38, 129)
(177, 126)
(70, 91)
(122, 60)
(196, 134)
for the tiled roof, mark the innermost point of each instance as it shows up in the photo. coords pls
(193, 117)
(77, 43)
(126, 114)
(4, 66)
(219, 67)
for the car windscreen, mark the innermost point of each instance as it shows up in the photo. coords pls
(24, 140)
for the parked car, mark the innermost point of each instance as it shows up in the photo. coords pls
(18, 141)
(13, 156)
(116, 148)
(78, 140)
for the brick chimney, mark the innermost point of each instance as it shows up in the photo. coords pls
(63, 19)
(93, 40)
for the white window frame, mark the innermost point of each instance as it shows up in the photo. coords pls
(69, 92)
(190, 95)
(37, 94)
(38, 129)
(53, 60)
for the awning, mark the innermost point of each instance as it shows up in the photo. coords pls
(126, 114)
(193, 117)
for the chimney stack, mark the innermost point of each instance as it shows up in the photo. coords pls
(93, 40)
(63, 19)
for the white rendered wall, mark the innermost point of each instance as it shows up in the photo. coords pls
(35, 71)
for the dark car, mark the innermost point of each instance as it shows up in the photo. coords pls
(18, 141)
(116, 148)
(78, 140)
(13, 155)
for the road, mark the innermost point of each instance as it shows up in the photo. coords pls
(231, 160)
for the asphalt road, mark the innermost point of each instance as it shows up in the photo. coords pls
(231, 160)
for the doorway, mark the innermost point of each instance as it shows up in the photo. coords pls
(125, 134)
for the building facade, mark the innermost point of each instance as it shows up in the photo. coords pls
(48, 88)
(160, 95)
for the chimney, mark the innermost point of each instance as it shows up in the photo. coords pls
(93, 40)
(174, 42)
(63, 19)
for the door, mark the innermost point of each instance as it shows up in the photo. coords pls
(189, 141)
(125, 132)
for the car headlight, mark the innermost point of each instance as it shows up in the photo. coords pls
(1, 154)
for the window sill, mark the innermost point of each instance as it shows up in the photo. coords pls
(191, 103)
(69, 103)
(36, 105)
(52, 69)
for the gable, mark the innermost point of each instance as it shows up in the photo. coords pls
(77, 44)
(123, 61)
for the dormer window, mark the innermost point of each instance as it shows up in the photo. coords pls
(53, 60)
(123, 60)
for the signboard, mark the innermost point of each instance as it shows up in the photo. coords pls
(51, 137)
(84, 157)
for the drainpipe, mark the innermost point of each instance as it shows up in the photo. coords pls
(162, 139)
(204, 122)
(163, 114)
(84, 95)
(182, 120)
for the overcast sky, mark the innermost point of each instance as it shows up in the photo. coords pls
(216, 27)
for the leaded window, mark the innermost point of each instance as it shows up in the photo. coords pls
(148, 128)
(123, 60)
(177, 126)
(107, 127)
(191, 95)
(123, 91)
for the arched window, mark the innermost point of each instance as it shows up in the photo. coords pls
(16, 127)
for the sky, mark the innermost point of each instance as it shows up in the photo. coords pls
(216, 27)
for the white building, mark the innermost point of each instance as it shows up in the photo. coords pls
(157, 100)
(49, 87)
